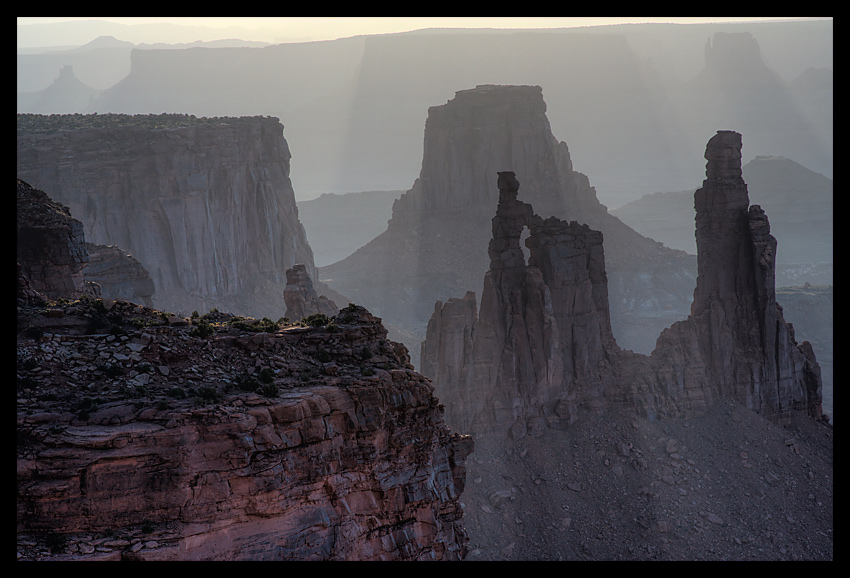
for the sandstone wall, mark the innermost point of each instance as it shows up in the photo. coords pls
(205, 205)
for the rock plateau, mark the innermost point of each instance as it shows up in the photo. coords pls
(204, 204)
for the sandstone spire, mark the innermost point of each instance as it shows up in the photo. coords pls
(541, 345)
(742, 347)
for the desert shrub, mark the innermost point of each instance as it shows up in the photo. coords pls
(144, 367)
(208, 393)
(267, 375)
(316, 320)
(322, 356)
(247, 382)
(113, 371)
(202, 330)
(177, 392)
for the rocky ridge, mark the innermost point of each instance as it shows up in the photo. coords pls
(301, 298)
(50, 244)
(119, 275)
(144, 436)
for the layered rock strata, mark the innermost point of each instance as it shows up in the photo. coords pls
(541, 345)
(205, 204)
(209, 440)
(301, 298)
(433, 246)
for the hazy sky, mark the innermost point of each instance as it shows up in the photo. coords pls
(280, 29)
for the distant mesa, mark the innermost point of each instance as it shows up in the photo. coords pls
(432, 246)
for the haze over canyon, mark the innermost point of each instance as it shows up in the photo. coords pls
(483, 294)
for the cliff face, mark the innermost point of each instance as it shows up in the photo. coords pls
(541, 344)
(51, 246)
(433, 245)
(214, 441)
(205, 205)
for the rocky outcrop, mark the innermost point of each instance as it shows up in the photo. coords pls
(736, 343)
(541, 344)
(51, 247)
(209, 439)
(433, 245)
(301, 298)
(204, 204)
(119, 275)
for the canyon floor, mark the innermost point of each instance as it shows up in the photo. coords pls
(727, 485)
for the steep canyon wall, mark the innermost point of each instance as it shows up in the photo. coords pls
(205, 205)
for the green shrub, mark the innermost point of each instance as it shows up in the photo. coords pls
(316, 320)
(202, 330)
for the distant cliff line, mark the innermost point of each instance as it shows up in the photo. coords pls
(205, 204)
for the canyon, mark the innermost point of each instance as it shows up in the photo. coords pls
(583, 392)
(149, 436)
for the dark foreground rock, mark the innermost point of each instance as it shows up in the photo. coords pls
(144, 436)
